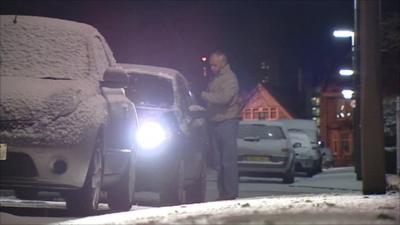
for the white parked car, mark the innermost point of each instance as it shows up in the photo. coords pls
(309, 127)
(264, 150)
(65, 124)
(305, 155)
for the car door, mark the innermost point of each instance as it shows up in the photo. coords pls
(196, 134)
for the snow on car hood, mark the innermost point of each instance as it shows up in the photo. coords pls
(47, 110)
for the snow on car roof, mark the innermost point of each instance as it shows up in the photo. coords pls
(152, 70)
(82, 28)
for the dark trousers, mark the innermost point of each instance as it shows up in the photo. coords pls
(224, 146)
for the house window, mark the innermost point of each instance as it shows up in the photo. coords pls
(255, 114)
(345, 143)
(343, 109)
(273, 113)
(247, 114)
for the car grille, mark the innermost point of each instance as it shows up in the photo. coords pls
(9, 125)
(17, 165)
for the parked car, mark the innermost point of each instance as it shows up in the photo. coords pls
(172, 138)
(65, 124)
(305, 155)
(308, 127)
(264, 149)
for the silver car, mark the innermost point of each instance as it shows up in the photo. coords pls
(305, 155)
(65, 123)
(172, 140)
(264, 150)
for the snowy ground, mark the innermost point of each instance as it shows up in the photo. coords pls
(306, 209)
(332, 197)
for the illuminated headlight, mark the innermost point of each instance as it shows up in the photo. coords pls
(151, 135)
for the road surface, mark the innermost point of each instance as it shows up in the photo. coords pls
(335, 180)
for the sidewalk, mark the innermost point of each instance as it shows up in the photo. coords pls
(306, 209)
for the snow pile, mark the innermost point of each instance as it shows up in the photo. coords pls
(310, 209)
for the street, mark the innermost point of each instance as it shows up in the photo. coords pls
(335, 181)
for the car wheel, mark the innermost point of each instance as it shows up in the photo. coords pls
(173, 191)
(289, 176)
(85, 201)
(26, 194)
(196, 191)
(121, 197)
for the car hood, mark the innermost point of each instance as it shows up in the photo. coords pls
(32, 107)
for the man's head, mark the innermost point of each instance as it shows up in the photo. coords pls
(218, 61)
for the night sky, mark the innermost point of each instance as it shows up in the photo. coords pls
(291, 36)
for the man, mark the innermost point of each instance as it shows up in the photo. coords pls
(222, 98)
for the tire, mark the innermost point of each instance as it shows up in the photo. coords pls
(27, 194)
(173, 192)
(85, 201)
(196, 192)
(289, 176)
(121, 197)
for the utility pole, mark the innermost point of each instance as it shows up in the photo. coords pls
(398, 133)
(373, 158)
(356, 85)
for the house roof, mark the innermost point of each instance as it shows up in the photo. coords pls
(268, 97)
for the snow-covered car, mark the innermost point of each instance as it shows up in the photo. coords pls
(264, 150)
(65, 123)
(309, 127)
(172, 137)
(305, 155)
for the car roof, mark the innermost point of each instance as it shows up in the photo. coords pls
(262, 122)
(151, 70)
(52, 23)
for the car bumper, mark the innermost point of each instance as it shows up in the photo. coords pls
(272, 169)
(33, 167)
(304, 164)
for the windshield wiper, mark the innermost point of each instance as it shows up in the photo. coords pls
(55, 78)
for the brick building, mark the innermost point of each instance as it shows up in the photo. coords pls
(336, 126)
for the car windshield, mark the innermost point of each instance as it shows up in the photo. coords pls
(43, 52)
(149, 90)
(261, 131)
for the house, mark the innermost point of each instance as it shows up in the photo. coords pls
(261, 105)
(336, 124)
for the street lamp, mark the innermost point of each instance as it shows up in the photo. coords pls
(204, 60)
(345, 34)
(347, 93)
(346, 72)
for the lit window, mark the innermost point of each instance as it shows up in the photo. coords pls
(273, 113)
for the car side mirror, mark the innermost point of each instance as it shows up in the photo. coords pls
(115, 77)
(297, 145)
(197, 111)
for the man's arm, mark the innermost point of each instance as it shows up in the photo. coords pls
(223, 96)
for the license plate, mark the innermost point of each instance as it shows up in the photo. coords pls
(3, 151)
(257, 158)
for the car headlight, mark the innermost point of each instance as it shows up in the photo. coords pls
(150, 135)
